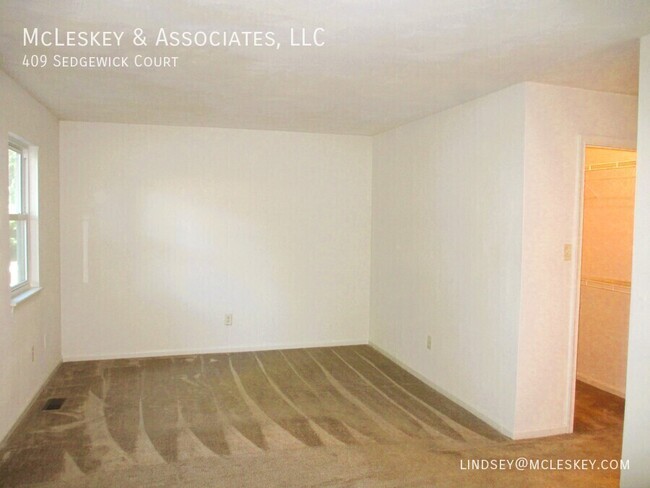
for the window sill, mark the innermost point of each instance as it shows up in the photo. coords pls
(24, 295)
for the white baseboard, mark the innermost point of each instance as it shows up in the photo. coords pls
(207, 350)
(495, 425)
(600, 385)
(565, 429)
(267, 347)
(30, 405)
(532, 434)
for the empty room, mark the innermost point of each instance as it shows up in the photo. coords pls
(333, 244)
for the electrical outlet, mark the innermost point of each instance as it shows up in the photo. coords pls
(227, 320)
(429, 342)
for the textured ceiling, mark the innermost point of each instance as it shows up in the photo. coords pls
(385, 62)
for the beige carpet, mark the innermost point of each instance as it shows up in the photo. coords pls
(343, 416)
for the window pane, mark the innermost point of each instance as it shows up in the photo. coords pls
(18, 251)
(15, 182)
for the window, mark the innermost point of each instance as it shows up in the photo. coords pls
(23, 255)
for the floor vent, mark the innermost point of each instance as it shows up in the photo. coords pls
(54, 404)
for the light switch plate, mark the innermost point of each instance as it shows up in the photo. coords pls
(568, 252)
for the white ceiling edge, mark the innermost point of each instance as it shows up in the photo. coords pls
(384, 65)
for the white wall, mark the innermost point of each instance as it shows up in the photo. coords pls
(36, 321)
(471, 211)
(636, 433)
(559, 121)
(188, 224)
(446, 249)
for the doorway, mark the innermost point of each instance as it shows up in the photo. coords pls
(604, 290)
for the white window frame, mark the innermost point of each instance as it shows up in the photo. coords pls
(29, 214)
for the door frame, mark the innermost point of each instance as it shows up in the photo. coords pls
(583, 142)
